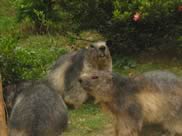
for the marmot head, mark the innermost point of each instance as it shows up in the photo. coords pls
(98, 54)
(99, 84)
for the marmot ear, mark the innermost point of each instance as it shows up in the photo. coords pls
(109, 43)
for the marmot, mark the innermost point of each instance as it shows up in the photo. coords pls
(153, 97)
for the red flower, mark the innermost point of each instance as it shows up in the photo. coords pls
(137, 17)
(180, 8)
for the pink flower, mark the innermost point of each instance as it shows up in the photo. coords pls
(137, 17)
(180, 8)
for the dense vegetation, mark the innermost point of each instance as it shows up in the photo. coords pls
(137, 24)
(19, 63)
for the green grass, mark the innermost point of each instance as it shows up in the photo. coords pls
(140, 68)
(6, 8)
(143, 63)
(44, 41)
(7, 17)
(8, 25)
(88, 120)
(63, 41)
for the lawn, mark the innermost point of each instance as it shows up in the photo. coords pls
(89, 120)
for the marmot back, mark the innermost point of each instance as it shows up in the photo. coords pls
(38, 111)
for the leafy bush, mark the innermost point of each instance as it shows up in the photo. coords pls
(146, 23)
(18, 63)
(88, 14)
(151, 10)
(44, 14)
(133, 24)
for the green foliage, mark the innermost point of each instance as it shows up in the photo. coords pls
(158, 23)
(132, 24)
(88, 13)
(155, 9)
(44, 14)
(18, 63)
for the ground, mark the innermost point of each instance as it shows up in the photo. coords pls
(89, 120)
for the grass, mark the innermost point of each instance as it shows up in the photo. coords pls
(167, 59)
(6, 8)
(140, 68)
(88, 120)
(70, 41)
(7, 17)
(6, 24)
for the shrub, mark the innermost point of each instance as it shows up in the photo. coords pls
(88, 14)
(142, 24)
(18, 63)
(43, 14)
(133, 24)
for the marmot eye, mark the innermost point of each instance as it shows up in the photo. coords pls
(95, 77)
